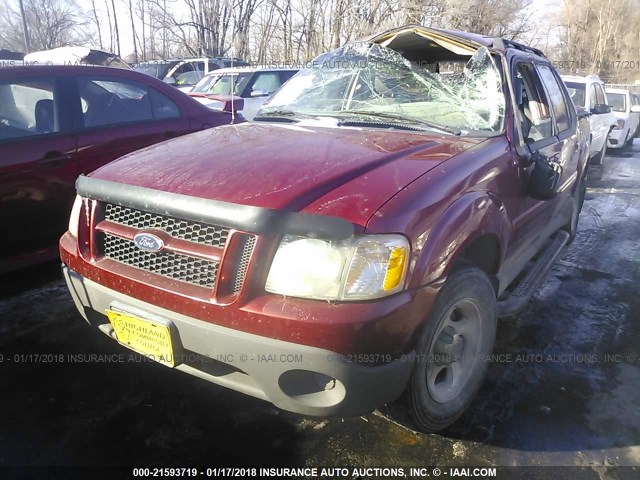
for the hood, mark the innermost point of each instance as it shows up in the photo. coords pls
(345, 172)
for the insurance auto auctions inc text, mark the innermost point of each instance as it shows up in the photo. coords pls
(377, 472)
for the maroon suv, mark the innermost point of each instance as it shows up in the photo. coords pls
(57, 122)
(357, 241)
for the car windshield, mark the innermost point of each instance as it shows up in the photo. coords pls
(221, 84)
(188, 78)
(618, 101)
(576, 91)
(362, 81)
(156, 70)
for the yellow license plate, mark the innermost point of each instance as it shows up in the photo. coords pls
(143, 336)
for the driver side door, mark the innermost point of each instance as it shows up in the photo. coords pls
(546, 126)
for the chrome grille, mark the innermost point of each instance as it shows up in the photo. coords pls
(184, 229)
(168, 264)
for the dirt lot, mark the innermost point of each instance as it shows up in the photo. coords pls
(564, 389)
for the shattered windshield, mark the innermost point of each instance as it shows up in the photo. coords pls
(372, 83)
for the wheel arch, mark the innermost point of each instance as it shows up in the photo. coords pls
(474, 230)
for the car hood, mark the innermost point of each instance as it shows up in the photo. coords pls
(339, 171)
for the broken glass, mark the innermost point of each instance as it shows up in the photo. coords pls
(361, 80)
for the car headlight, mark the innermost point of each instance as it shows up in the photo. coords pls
(74, 218)
(620, 125)
(363, 267)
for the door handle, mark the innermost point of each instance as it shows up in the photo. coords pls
(54, 159)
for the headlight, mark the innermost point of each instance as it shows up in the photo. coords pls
(620, 125)
(74, 218)
(365, 267)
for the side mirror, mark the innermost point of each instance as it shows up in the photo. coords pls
(169, 80)
(635, 109)
(582, 113)
(601, 109)
(544, 177)
(259, 93)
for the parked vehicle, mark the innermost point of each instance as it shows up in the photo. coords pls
(254, 84)
(76, 56)
(589, 93)
(185, 73)
(635, 100)
(627, 115)
(9, 55)
(58, 122)
(359, 239)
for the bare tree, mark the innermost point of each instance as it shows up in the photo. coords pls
(600, 37)
(115, 24)
(133, 31)
(97, 22)
(51, 23)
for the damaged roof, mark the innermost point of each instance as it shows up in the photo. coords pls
(413, 40)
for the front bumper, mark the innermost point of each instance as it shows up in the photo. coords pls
(617, 138)
(294, 377)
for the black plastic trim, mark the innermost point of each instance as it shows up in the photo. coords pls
(246, 218)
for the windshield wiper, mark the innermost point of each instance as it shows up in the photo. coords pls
(414, 121)
(281, 115)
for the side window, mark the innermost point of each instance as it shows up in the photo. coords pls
(187, 67)
(600, 97)
(557, 100)
(110, 102)
(162, 106)
(28, 107)
(267, 82)
(593, 97)
(532, 102)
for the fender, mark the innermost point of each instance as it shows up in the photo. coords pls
(467, 219)
(584, 133)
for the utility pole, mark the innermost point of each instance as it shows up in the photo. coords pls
(27, 43)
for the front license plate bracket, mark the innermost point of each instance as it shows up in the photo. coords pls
(147, 334)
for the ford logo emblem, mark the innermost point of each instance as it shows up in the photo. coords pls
(148, 242)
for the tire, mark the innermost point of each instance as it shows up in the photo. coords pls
(452, 350)
(578, 199)
(599, 158)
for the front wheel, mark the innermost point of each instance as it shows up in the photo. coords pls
(452, 350)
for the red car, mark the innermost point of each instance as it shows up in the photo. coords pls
(357, 240)
(58, 122)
